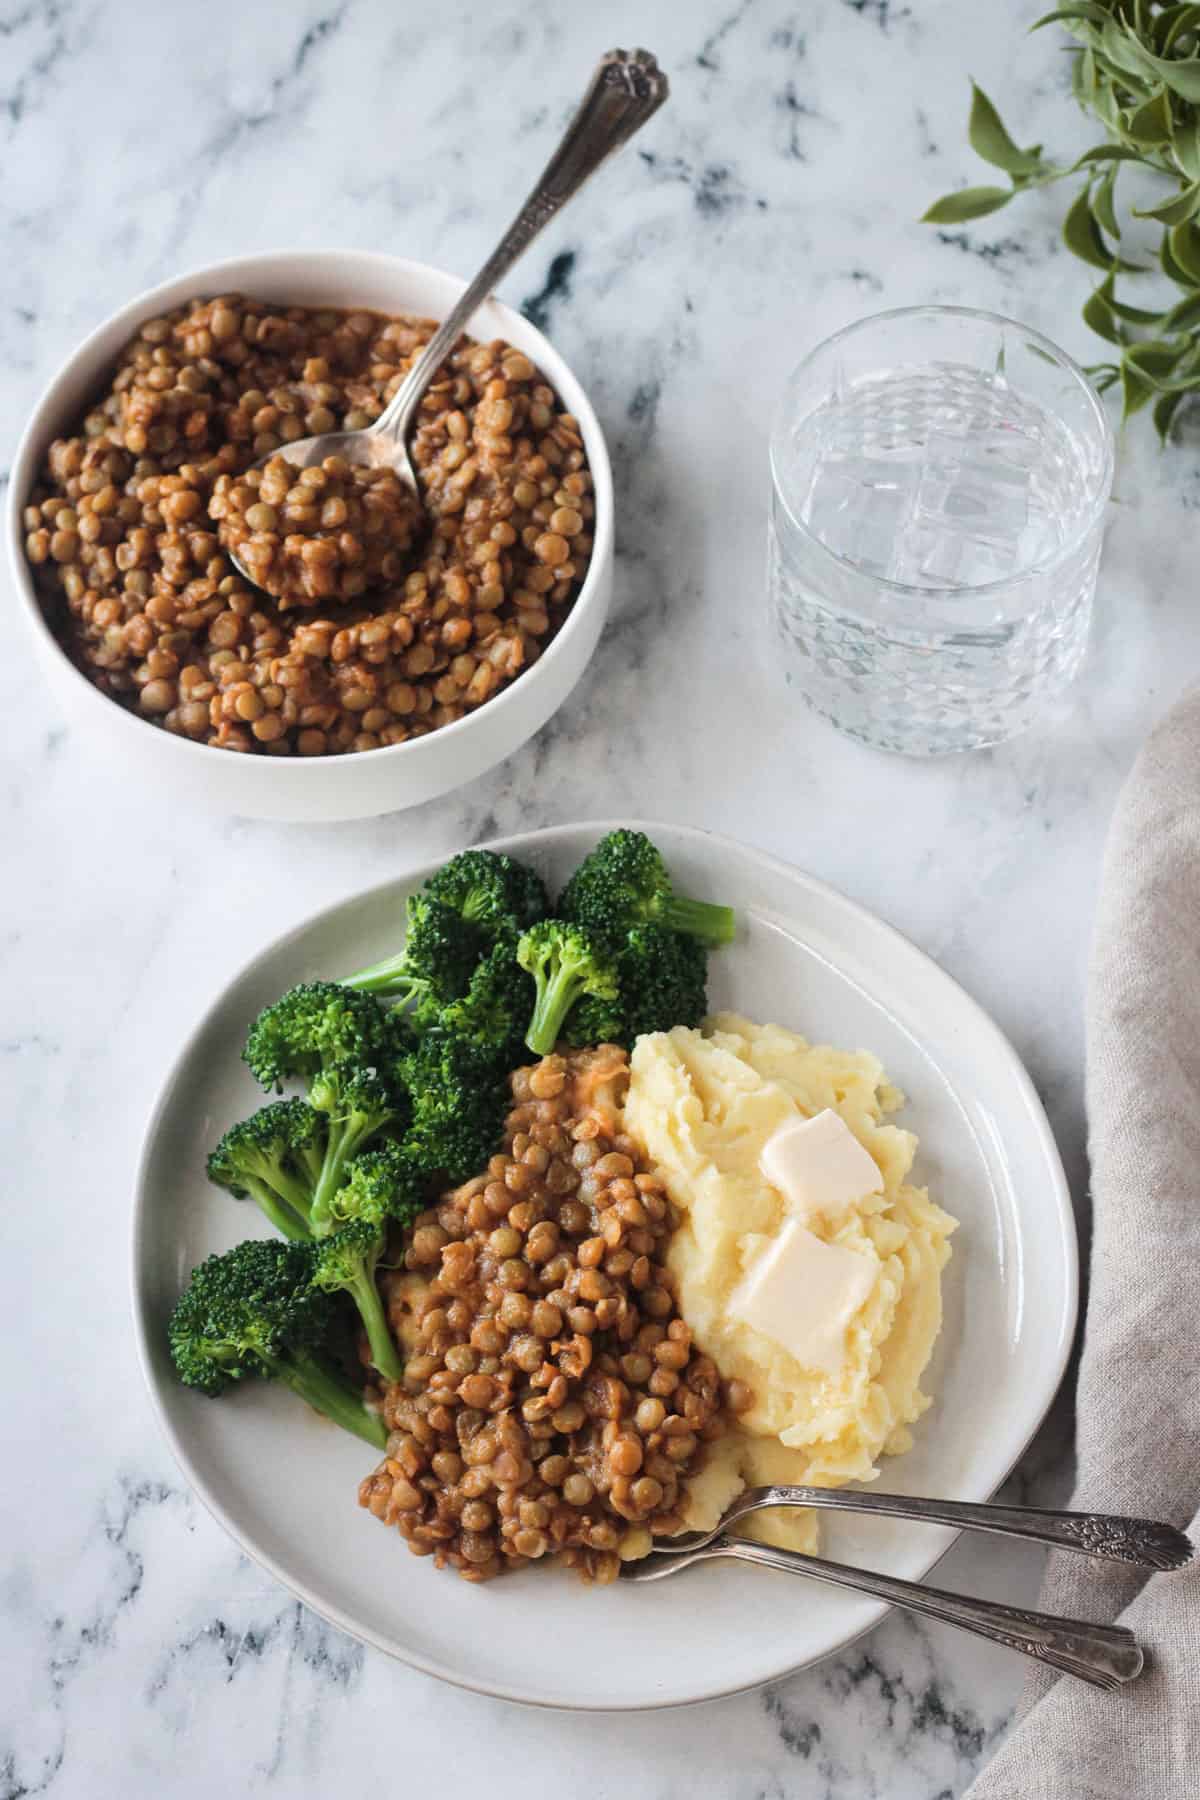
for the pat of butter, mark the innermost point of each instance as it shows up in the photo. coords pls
(802, 1293)
(819, 1166)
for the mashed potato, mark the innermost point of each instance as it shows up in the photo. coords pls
(704, 1104)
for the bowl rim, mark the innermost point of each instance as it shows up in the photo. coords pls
(1058, 1203)
(208, 277)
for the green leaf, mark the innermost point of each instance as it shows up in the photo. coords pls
(1173, 22)
(1104, 312)
(1188, 383)
(1182, 76)
(1102, 376)
(1151, 123)
(1122, 49)
(1098, 314)
(1137, 392)
(967, 203)
(1133, 315)
(989, 139)
(1156, 358)
(1067, 15)
(1084, 239)
(1083, 78)
(1163, 367)
(1106, 106)
(1184, 241)
(1102, 204)
(1165, 408)
(1177, 210)
(1185, 147)
(1169, 266)
(1081, 234)
(1102, 153)
(1185, 316)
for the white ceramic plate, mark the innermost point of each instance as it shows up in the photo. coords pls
(283, 1482)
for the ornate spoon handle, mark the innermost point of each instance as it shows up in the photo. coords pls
(1146, 1542)
(1107, 1656)
(626, 89)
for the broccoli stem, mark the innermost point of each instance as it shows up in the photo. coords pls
(700, 919)
(327, 1393)
(556, 995)
(384, 1354)
(389, 978)
(288, 1219)
(346, 1136)
(295, 1194)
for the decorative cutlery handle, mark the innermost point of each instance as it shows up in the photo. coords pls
(627, 87)
(1107, 1656)
(1145, 1542)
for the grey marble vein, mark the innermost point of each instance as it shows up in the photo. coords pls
(772, 201)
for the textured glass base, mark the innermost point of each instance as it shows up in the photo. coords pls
(930, 693)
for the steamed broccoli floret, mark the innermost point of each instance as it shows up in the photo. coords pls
(358, 1105)
(459, 1099)
(664, 980)
(339, 1041)
(591, 1021)
(477, 900)
(624, 882)
(494, 1011)
(254, 1312)
(440, 952)
(345, 1263)
(566, 962)
(382, 1185)
(275, 1156)
(314, 1027)
(661, 980)
(500, 896)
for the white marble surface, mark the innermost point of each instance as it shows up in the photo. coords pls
(772, 201)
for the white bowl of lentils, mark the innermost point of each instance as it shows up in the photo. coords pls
(335, 709)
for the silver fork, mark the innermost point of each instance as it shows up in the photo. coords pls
(1110, 1536)
(1107, 1656)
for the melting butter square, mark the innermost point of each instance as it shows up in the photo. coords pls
(819, 1166)
(802, 1294)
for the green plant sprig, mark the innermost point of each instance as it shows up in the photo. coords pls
(1136, 69)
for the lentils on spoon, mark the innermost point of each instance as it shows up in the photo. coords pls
(326, 533)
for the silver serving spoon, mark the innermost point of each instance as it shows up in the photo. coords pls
(1109, 1536)
(627, 87)
(1107, 1656)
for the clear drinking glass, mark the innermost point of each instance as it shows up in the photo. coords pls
(939, 484)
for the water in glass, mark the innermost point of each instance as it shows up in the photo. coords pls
(934, 541)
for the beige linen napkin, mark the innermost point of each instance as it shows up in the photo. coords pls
(1138, 1431)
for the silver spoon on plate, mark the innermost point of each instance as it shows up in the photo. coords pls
(1107, 1656)
(626, 89)
(1111, 1537)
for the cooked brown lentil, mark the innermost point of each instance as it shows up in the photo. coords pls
(133, 576)
(553, 1402)
(332, 532)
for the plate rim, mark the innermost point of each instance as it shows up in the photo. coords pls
(333, 1615)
